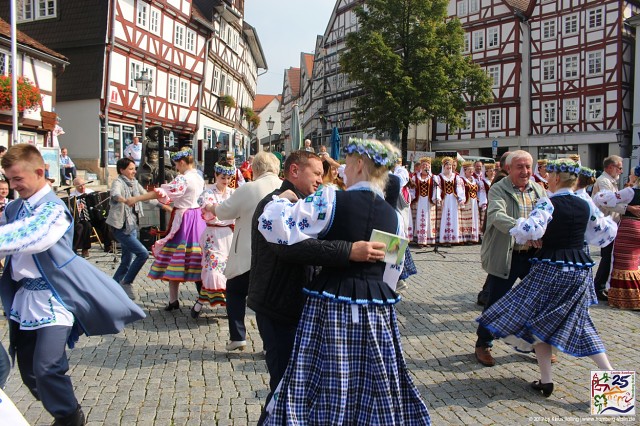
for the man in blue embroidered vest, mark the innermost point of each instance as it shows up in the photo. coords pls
(49, 294)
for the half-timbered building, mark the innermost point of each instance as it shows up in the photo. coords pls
(41, 66)
(562, 77)
(195, 51)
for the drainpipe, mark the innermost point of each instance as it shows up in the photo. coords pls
(525, 87)
(107, 94)
(194, 140)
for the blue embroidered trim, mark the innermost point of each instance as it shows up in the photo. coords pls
(345, 299)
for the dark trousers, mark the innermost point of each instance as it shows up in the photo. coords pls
(237, 290)
(277, 341)
(43, 365)
(81, 235)
(604, 268)
(498, 287)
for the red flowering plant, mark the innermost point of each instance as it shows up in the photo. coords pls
(29, 97)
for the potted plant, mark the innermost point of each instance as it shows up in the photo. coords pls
(227, 101)
(252, 117)
(29, 97)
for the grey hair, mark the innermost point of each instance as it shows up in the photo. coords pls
(612, 159)
(516, 155)
(265, 162)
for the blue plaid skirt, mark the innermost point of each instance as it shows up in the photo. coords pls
(549, 305)
(409, 266)
(347, 368)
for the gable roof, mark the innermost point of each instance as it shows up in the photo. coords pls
(293, 76)
(25, 40)
(523, 6)
(261, 101)
(307, 62)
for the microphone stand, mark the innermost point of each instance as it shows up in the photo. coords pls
(435, 248)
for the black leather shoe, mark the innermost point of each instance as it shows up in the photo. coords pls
(545, 388)
(75, 419)
(195, 314)
(172, 305)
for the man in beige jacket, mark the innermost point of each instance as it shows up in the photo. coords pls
(240, 206)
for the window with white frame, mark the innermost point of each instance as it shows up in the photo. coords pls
(549, 111)
(216, 81)
(594, 63)
(494, 119)
(5, 63)
(571, 25)
(494, 74)
(467, 120)
(549, 29)
(594, 108)
(570, 108)
(493, 37)
(154, 20)
(178, 39)
(481, 120)
(173, 89)
(548, 70)
(594, 18)
(571, 67)
(462, 8)
(223, 79)
(190, 44)
(235, 41)
(474, 6)
(467, 43)
(29, 10)
(228, 89)
(142, 15)
(184, 92)
(478, 40)
(135, 68)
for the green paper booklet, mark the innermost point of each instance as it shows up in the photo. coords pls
(395, 246)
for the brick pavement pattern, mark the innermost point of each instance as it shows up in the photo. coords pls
(172, 370)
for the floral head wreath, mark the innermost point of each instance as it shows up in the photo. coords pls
(636, 171)
(585, 171)
(225, 170)
(185, 152)
(376, 151)
(564, 166)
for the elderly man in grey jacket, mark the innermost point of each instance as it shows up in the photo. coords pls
(505, 261)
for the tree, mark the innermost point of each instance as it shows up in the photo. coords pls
(407, 58)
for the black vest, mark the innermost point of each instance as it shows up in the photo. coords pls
(357, 213)
(634, 202)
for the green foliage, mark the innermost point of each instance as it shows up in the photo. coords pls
(407, 58)
(227, 101)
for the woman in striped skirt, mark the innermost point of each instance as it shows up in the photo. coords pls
(625, 275)
(549, 308)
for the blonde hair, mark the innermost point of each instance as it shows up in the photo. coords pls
(376, 175)
(22, 152)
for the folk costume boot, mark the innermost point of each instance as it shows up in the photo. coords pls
(75, 419)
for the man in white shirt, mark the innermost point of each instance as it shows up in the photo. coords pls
(82, 222)
(134, 151)
(67, 167)
(607, 181)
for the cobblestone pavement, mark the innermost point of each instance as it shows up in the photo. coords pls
(172, 370)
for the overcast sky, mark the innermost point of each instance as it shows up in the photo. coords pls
(285, 29)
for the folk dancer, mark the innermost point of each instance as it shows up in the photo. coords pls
(469, 211)
(50, 295)
(425, 225)
(448, 195)
(404, 202)
(541, 175)
(483, 192)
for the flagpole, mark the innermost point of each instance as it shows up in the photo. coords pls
(14, 76)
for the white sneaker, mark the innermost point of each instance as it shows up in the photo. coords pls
(401, 286)
(238, 344)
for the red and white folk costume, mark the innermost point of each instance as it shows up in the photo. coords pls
(469, 211)
(425, 215)
(449, 191)
(537, 176)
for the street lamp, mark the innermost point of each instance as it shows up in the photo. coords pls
(143, 84)
(270, 124)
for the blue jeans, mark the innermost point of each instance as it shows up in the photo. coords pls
(130, 247)
(5, 366)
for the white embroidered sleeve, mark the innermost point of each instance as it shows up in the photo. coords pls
(601, 229)
(172, 190)
(609, 199)
(533, 227)
(35, 233)
(288, 223)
